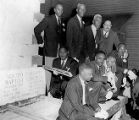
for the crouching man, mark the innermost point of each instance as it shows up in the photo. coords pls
(59, 82)
(78, 103)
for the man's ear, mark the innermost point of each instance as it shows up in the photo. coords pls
(76, 10)
(54, 9)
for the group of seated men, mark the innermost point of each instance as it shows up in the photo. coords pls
(106, 69)
(97, 70)
(92, 82)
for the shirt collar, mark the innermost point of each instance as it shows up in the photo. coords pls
(104, 32)
(64, 60)
(79, 18)
(93, 27)
(81, 80)
(56, 17)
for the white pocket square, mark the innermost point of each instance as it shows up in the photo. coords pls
(90, 89)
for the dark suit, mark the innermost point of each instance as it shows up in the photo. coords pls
(106, 44)
(52, 35)
(120, 66)
(75, 37)
(59, 83)
(90, 42)
(98, 77)
(72, 107)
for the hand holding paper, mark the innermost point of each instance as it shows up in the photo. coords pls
(109, 95)
(102, 114)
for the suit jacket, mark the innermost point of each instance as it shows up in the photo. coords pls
(52, 35)
(71, 64)
(89, 42)
(75, 37)
(106, 44)
(72, 103)
(98, 74)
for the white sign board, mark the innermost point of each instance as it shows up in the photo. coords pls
(21, 84)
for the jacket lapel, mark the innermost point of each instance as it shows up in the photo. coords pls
(77, 21)
(67, 64)
(80, 88)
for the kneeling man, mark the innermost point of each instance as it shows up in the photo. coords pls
(59, 82)
(78, 103)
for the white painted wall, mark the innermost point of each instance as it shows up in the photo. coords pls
(16, 29)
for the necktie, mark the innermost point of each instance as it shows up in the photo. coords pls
(106, 34)
(59, 21)
(62, 64)
(99, 69)
(81, 24)
(84, 95)
(96, 38)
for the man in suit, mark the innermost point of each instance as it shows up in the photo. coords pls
(108, 38)
(59, 82)
(99, 71)
(52, 28)
(92, 33)
(75, 30)
(80, 101)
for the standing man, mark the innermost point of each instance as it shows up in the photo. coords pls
(75, 30)
(92, 33)
(77, 104)
(52, 28)
(108, 38)
(58, 82)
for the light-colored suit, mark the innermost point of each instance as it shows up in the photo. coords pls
(72, 107)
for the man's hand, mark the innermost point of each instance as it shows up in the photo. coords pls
(87, 59)
(70, 74)
(76, 59)
(132, 75)
(41, 45)
(55, 72)
(114, 89)
(102, 114)
(109, 95)
(98, 109)
(125, 55)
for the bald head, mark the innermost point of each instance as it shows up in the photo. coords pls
(86, 71)
(107, 26)
(58, 10)
(81, 9)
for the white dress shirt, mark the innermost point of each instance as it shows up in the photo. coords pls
(64, 61)
(94, 30)
(57, 19)
(83, 86)
(80, 20)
